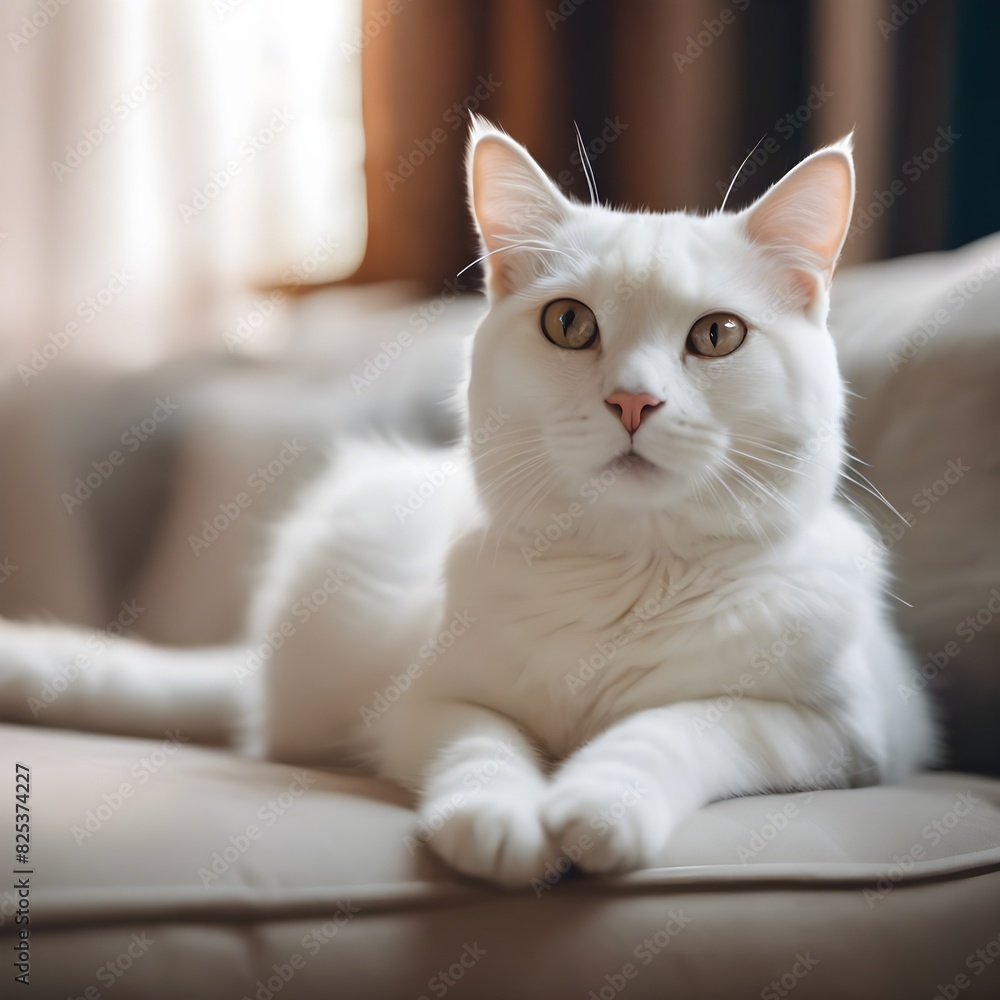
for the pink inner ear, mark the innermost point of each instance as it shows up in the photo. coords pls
(513, 201)
(491, 161)
(806, 214)
(486, 164)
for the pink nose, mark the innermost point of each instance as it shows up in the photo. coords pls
(631, 405)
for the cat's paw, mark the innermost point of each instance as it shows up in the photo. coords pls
(607, 824)
(497, 837)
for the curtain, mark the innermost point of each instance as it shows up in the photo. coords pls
(163, 160)
(669, 97)
(172, 167)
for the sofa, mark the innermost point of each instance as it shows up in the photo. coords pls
(161, 869)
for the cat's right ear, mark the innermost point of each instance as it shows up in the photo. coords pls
(802, 221)
(513, 203)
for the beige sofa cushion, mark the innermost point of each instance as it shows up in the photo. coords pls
(198, 874)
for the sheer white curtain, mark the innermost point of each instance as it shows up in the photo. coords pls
(161, 158)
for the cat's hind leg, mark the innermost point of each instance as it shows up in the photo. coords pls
(355, 589)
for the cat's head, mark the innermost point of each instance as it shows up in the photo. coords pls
(646, 363)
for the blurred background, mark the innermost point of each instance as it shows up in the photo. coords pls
(211, 147)
(223, 221)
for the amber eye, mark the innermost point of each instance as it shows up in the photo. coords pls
(570, 324)
(716, 335)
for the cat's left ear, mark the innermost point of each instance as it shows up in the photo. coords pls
(512, 202)
(803, 220)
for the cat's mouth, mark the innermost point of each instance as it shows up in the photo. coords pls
(631, 461)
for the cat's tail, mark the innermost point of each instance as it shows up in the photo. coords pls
(75, 679)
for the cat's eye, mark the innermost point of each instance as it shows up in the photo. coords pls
(570, 324)
(716, 335)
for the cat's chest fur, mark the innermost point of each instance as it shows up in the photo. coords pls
(570, 643)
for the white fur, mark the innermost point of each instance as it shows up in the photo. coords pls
(598, 648)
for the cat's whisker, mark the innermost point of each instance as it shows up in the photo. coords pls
(764, 461)
(504, 453)
(739, 507)
(716, 499)
(870, 488)
(732, 183)
(517, 246)
(496, 486)
(505, 462)
(588, 170)
(863, 511)
(526, 439)
(500, 446)
(757, 484)
(862, 482)
(524, 487)
(540, 491)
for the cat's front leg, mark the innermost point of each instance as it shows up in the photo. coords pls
(480, 788)
(614, 802)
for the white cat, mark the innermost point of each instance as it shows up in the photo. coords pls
(635, 590)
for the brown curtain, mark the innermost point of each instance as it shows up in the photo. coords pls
(669, 96)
